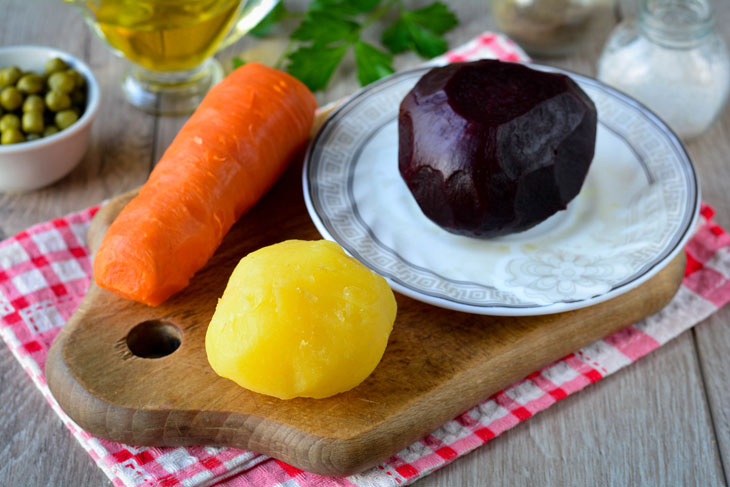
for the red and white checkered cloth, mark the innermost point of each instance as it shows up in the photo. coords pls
(45, 271)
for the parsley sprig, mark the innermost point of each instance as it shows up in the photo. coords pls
(332, 28)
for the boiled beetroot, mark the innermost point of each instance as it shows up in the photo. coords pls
(489, 148)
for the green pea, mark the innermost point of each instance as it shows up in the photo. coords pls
(31, 137)
(57, 101)
(9, 121)
(12, 136)
(65, 119)
(10, 98)
(62, 82)
(9, 76)
(50, 130)
(34, 103)
(30, 83)
(79, 79)
(56, 64)
(32, 122)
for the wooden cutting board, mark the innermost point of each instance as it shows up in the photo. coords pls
(438, 363)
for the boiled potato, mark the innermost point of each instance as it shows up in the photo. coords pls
(300, 319)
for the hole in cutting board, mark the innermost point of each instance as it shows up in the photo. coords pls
(154, 339)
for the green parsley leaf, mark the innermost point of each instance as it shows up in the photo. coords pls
(420, 30)
(344, 8)
(436, 17)
(237, 62)
(396, 37)
(314, 65)
(331, 27)
(267, 23)
(425, 43)
(372, 63)
(365, 5)
(323, 28)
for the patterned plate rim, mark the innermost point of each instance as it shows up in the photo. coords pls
(659, 262)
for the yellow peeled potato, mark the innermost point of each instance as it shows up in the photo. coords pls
(300, 319)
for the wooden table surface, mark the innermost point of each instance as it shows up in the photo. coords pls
(662, 421)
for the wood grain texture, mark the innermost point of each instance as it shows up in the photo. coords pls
(31, 437)
(125, 143)
(713, 337)
(713, 343)
(610, 434)
(711, 155)
(438, 362)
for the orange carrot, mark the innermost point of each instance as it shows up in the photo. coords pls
(224, 159)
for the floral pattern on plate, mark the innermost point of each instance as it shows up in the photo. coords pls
(555, 275)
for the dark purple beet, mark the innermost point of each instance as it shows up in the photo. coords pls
(489, 148)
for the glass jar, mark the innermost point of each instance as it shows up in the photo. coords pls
(549, 27)
(672, 60)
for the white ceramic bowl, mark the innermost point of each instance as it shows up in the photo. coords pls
(32, 165)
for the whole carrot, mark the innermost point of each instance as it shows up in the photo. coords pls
(224, 159)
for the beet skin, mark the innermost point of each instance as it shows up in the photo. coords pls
(489, 148)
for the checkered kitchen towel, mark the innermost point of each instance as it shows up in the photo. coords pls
(45, 271)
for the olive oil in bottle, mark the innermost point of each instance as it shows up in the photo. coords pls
(163, 35)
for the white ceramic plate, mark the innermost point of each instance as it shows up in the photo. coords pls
(635, 212)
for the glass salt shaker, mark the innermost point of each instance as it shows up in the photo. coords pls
(672, 60)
